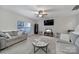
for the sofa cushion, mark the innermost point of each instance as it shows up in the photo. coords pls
(12, 38)
(13, 33)
(20, 32)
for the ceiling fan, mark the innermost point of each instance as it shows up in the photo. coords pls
(75, 7)
(41, 13)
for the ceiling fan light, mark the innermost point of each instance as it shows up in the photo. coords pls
(36, 12)
(40, 15)
(45, 13)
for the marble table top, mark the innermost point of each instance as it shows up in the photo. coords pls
(39, 43)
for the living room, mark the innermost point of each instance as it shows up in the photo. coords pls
(22, 19)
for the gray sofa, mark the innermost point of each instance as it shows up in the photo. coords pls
(15, 38)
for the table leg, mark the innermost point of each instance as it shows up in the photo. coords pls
(34, 49)
(46, 49)
(43, 48)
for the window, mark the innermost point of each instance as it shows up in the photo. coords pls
(24, 26)
(20, 24)
(27, 27)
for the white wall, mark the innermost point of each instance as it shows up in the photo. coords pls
(77, 22)
(77, 18)
(8, 20)
(61, 24)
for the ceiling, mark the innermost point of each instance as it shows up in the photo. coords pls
(53, 11)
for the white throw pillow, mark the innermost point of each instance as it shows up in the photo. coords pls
(8, 35)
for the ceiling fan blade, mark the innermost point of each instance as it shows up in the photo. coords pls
(50, 10)
(76, 7)
(45, 14)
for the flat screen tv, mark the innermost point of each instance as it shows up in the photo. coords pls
(49, 22)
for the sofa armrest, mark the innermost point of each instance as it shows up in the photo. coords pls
(73, 37)
(2, 42)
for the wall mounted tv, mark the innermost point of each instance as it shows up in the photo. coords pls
(49, 22)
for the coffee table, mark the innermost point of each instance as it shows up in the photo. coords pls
(40, 45)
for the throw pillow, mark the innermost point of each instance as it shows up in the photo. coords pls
(2, 34)
(8, 35)
(12, 33)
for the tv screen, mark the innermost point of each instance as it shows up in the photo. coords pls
(49, 22)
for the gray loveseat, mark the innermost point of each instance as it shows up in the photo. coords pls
(15, 38)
